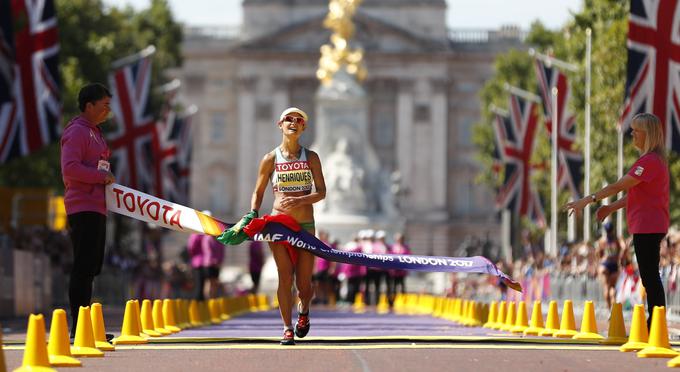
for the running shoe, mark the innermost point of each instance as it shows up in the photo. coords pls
(288, 337)
(302, 325)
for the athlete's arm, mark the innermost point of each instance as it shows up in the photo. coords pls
(319, 183)
(263, 175)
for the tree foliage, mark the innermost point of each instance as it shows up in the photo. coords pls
(608, 20)
(91, 36)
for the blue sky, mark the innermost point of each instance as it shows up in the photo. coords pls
(461, 13)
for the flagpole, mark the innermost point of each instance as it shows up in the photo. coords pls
(552, 61)
(522, 93)
(553, 176)
(586, 186)
(619, 213)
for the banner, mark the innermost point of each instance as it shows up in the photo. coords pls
(144, 207)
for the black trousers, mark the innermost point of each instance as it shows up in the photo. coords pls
(647, 248)
(88, 237)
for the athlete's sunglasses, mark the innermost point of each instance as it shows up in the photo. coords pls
(293, 119)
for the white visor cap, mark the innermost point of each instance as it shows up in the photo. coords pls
(291, 110)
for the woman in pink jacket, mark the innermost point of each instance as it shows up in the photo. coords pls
(85, 171)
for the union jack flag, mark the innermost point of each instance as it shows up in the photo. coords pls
(175, 166)
(570, 168)
(30, 106)
(135, 141)
(175, 147)
(515, 135)
(653, 73)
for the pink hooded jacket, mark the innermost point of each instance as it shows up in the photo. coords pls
(82, 146)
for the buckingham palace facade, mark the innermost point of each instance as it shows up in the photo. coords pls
(423, 89)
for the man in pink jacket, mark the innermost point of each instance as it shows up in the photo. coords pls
(85, 171)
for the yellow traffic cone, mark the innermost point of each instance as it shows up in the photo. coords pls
(3, 368)
(439, 306)
(638, 331)
(464, 313)
(502, 314)
(59, 347)
(252, 303)
(129, 333)
(204, 310)
(359, 304)
(509, 317)
(493, 309)
(195, 314)
(383, 306)
(224, 307)
(138, 316)
(659, 346)
(84, 345)
(99, 329)
(588, 324)
(215, 313)
(35, 353)
(183, 307)
(536, 325)
(483, 313)
(568, 323)
(475, 314)
(169, 316)
(263, 302)
(159, 324)
(148, 326)
(521, 322)
(553, 322)
(616, 335)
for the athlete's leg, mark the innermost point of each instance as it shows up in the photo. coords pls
(303, 278)
(284, 267)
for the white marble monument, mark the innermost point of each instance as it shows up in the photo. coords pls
(359, 191)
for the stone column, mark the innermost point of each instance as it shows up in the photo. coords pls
(438, 111)
(404, 136)
(280, 99)
(246, 121)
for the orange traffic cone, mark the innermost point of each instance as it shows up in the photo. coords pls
(552, 324)
(35, 353)
(536, 325)
(659, 346)
(616, 335)
(567, 324)
(588, 324)
(129, 334)
(638, 331)
(59, 347)
(99, 329)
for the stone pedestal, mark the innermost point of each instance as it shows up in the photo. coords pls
(359, 193)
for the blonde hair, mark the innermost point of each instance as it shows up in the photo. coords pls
(654, 136)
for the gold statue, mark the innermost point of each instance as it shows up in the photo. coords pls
(339, 54)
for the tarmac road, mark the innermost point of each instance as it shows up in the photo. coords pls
(345, 341)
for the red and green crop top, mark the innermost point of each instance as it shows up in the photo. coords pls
(293, 175)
